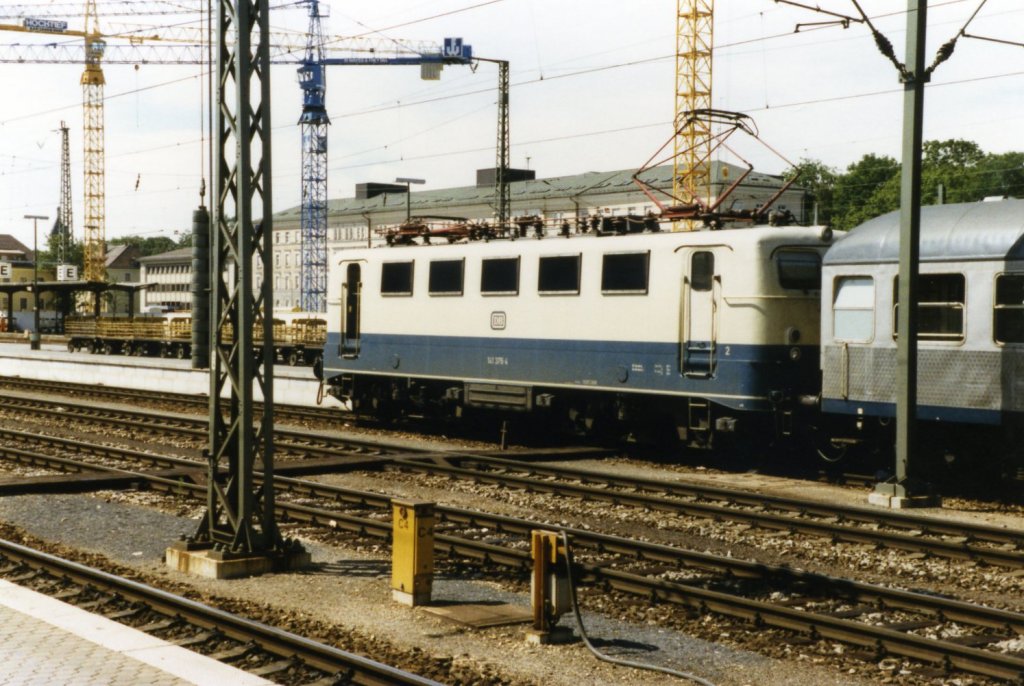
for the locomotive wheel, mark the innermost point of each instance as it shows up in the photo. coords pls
(108, 349)
(90, 348)
(71, 347)
(179, 351)
(127, 349)
(293, 358)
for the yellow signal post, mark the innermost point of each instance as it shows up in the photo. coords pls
(412, 551)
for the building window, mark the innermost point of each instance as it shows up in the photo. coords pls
(500, 276)
(445, 277)
(940, 314)
(1008, 322)
(396, 278)
(799, 269)
(853, 309)
(559, 275)
(625, 272)
(702, 270)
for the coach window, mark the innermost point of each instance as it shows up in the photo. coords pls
(799, 269)
(940, 314)
(702, 270)
(853, 309)
(500, 276)
(1008, 322)
(396, 278)
(445, 277)
(625, 272)
(559, 275)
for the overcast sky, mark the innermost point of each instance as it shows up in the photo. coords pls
(592, 90)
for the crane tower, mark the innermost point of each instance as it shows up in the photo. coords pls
(94, 243)
(691, 176)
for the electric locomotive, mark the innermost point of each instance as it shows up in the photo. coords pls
(702, 334)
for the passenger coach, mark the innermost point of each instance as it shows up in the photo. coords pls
(971, 328)
(700, 332)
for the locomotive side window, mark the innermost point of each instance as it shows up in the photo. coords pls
(559, 274)
(625, 272)
(702, 271)
(396, 278)
(940, 314)
(799, 269)
(445, 277)
(500, 276)
(1008, 323)
(853, 309)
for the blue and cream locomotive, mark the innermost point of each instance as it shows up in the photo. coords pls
(703, 332)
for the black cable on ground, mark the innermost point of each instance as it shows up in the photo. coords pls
(607, 658)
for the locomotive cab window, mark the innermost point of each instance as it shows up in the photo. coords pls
(500, 276)
(445, 277)
(853, 309)
(559, 275)
(1008, 318)
(625, 272)
(702, 270)
(941, 299)
(396, 278)
(799, 269)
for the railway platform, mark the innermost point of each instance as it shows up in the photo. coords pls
(292, 385)
(45, 641)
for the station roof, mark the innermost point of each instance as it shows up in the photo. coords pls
(989, 230)
(177, 255)
(71, 287)
(576, 185)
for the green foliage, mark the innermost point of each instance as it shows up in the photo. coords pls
(871, 186)
(151, 245)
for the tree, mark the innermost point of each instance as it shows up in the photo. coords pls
(862, 193)
(151, 245)
(819, 179)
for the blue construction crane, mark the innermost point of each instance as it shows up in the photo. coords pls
(314, 122)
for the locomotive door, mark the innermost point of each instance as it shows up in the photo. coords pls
(350, 303)
(701, 290)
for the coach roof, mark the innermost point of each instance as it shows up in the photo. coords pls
(965, 231)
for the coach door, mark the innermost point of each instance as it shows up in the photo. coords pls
(701, 291)
(350, 299)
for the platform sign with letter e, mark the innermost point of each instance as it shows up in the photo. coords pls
(67, 272)
(5, 270)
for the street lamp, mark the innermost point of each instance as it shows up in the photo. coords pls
(408, 194)
(34, 338)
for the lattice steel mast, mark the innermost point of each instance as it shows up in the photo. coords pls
(94, 239)
(691, 176)
(65, 222)
(239, 519)
(314, 122)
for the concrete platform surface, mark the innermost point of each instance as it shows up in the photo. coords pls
(292, 385)
(44, 641)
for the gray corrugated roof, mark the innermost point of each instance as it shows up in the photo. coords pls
(964, 231)
(177, 255)
(590, 183)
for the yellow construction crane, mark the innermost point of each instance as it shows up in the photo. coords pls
(94, 246)
(691, 174)
(94, 239)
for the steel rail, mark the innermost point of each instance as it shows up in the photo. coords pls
(943, 609)
(199, 402)
(691, 489)
(835, 531)
(839, 530)
(358, 669)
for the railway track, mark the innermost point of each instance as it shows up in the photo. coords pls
(267, 651)
(193, 403)
(832, 521)
(881, 621)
